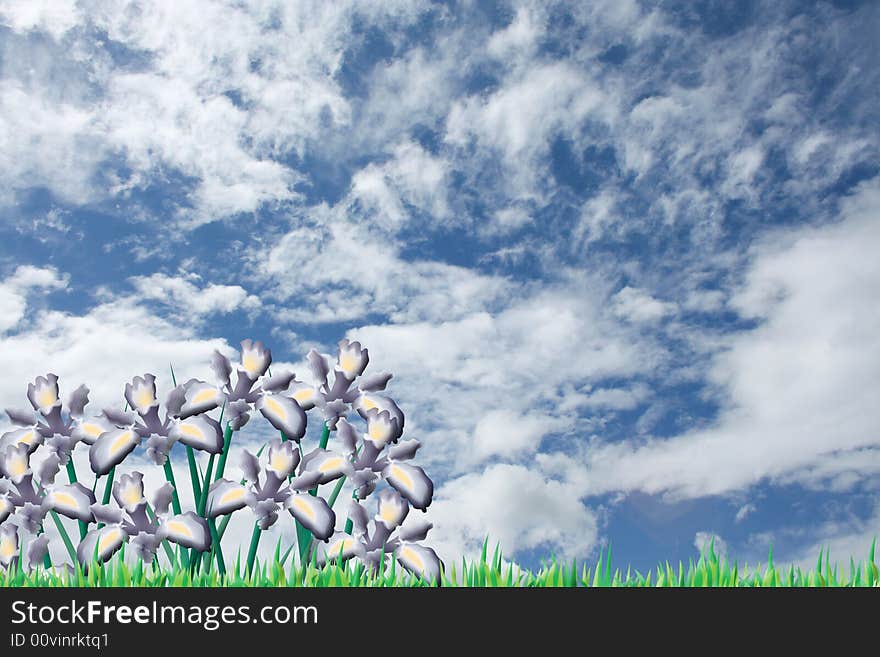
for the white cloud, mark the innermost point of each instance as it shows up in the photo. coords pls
(193, 301)
(745, 511)
(169, 109)
(742, 168)
(455, 378)
(840, 539)
(519, 118)
(361, 273)
(510, 432)
(635, 305)
(412, 176)
(800, 387)
(14, 291)
(704, 300)
(103, 348)
(53, 16)
(512, 505)
(519, 39)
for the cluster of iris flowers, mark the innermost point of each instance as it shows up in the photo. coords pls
(281, 477)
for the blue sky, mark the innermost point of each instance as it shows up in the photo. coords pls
(621, 256)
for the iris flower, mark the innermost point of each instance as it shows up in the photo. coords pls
(184, 421)
(129, 522)
(254, 390)
(379, 456)
(47, 423)
(385, 535)
(336, 400)
(31, 501)
(280, 489)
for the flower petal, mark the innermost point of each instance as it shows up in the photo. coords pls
(141, 394)
(277, 382)
(90, 429)
(20, 417)
(71, 500)
(411, 482)
(144, 545)
(8, 544)
(76, 404)
(221, 367)
(283, 459)
(15, 462)
(6, 508)
(255, 359)
(199, 432)
(186, 529)
(100, 544)
(329, 464)
(318, 366)
(226, 496)
(38, 549)
(382, 428)
(162, 498)
(374, 382)
(339, 546)
(347, 436)
(118, 418)
(111, 449)
(405, 450)
(107, 514)
(313, 513)
(43, 394)
(48, 469)
(419, 560)
(352, 359)
(128, 491)
(199, 397)
(29, 436)
(415, 530)
(306, 395)
(358, 516)
(284, 414)
(370, 400)
(392, 509)
(31, 516)
(250, 467)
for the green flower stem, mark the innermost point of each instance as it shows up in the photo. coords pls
(336, 490)
(202, 500)
(223, 523)
(221, 464)
(349, 524)
(64, 537)
(218, 551)
(193, 474)
(71, 477)
(252, 550)
(108, 488)
(169, 477)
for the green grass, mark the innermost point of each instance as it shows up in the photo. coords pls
(709, 570)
